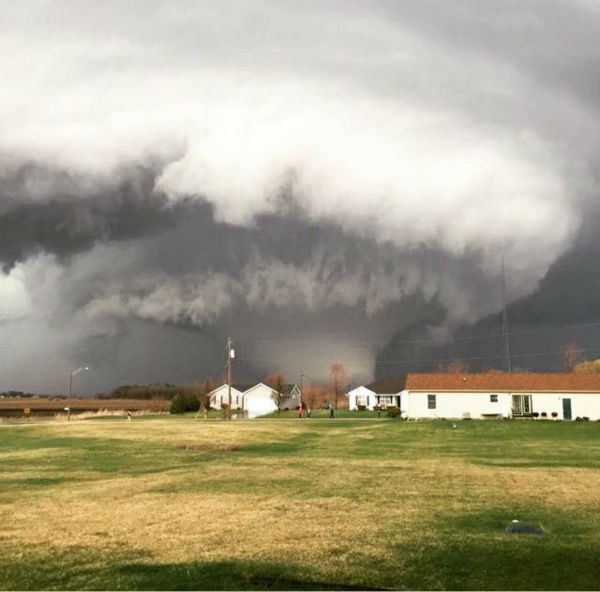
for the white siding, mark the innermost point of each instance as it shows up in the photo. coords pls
(586, 405)
(258, 400)
(582, 404)
(220, 396)
(361, 396)
(456, 405)
(548, 402)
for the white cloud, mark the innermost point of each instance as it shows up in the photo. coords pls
(241, 121)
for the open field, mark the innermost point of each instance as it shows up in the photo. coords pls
(178, 503)
(44, 406)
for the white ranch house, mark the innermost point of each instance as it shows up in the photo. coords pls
(492, 394)
(385, 392)
(254, 400)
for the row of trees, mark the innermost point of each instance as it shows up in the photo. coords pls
(143, 391)
(193, 397)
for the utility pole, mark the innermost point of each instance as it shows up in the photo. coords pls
(230, 356)
(505, 320)
(300, 402)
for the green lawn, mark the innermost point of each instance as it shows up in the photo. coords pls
(175, 503)
(324, 414)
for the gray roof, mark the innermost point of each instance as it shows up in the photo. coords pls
(387, 386)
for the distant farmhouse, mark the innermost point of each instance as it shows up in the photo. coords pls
(486, 395)
(255, 399)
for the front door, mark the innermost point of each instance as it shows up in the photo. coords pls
(567, 409)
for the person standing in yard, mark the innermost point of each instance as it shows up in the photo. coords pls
(300, 412)
(128, 415)
(308, 412)
(331, 412)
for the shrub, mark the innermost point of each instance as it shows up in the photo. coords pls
(184, 402)
(554, 414)
(578, 418)
(362, 407)
(177, 404)
(393, 412)
(535, 414)
(544, 414)
(585, 418)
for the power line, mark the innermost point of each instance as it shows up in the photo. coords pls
(252, 372)
(230, 354)
(460, 359)
(505, 319)
(440, 340)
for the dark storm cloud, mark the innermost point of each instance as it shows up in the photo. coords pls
(563, 309)
(61, 217)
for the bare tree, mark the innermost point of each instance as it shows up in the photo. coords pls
(454, 367)
(571, 356)
(338, 381)
(204, 394)
(276, 381)
(314, 396)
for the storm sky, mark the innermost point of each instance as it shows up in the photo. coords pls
(307, 177)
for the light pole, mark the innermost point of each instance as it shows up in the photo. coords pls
(74, 373)
(230, 357)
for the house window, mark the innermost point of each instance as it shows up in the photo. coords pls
(362, 400)
(386, 400)
(493, 398)
(521, 405)
(431, 402)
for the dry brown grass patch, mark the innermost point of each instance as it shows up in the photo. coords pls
(202, 446)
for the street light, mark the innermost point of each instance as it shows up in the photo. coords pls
(74, 373)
